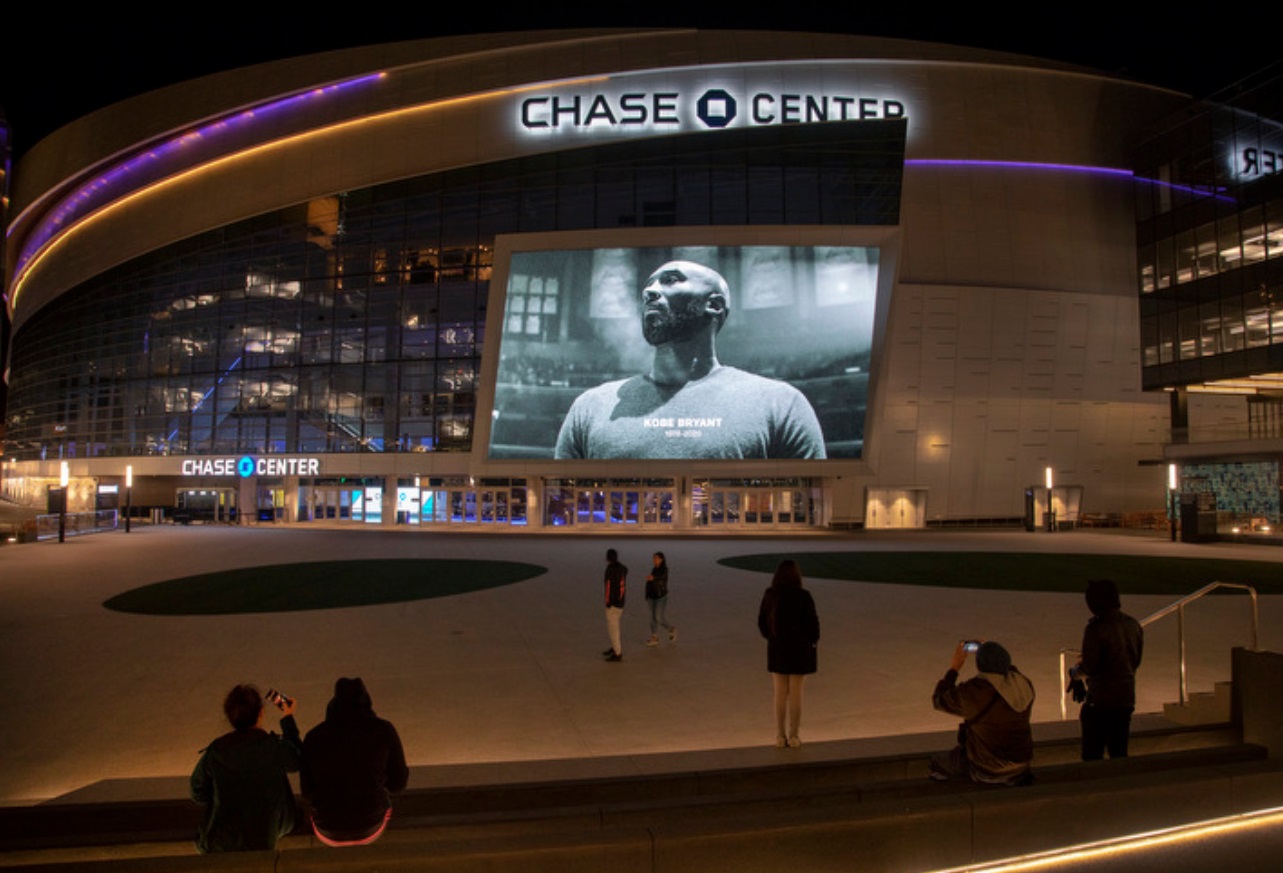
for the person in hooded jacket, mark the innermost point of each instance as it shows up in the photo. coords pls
(995, 743)
(352, 763)
(1113, 643)
(241, 778)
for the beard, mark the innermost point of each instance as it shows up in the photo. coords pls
(667, 326)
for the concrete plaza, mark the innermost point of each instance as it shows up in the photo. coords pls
(106, 704)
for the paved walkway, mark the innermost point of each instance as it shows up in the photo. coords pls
(514, 673)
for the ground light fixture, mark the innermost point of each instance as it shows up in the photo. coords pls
(64, 478)
(1051, 516)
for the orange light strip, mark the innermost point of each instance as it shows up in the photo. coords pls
(16, 286)
(1131, 844)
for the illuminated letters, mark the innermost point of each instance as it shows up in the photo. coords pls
(246, 466)
(811, 108)
(631, 109)
(713, 108)
(1261, 162)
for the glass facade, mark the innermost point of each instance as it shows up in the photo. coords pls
(355, 322)
(1209, 206)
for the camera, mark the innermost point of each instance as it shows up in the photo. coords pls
(279, 699)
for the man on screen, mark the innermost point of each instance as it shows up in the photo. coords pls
(689, 405)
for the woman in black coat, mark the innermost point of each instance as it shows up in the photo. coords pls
(788, 621)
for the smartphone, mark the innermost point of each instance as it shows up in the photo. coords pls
(971, 646)
(278, 698)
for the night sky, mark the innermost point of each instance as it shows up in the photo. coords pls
(56, 67)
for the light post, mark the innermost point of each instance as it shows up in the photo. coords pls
(64, 478)
(129, 494)
(1051, 515)
(1171, 496)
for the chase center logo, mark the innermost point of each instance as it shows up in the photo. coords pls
(710, 109)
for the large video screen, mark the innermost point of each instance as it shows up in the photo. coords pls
(685, 352)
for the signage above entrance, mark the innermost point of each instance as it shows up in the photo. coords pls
(246, 466)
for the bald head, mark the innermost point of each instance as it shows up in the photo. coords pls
(681, 299)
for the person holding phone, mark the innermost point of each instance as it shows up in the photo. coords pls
(241, 779)
(995, 742)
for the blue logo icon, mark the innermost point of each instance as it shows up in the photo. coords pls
(716, 108)
(245, 467)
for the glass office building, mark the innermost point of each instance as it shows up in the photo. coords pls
(1209, 205)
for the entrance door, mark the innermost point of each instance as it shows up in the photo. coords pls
(895, 508)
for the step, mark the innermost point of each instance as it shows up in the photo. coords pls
(571, 795)
(1202, 707)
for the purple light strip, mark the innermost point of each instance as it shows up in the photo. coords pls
(1202, 191)
(117, 180)
(1016, 165)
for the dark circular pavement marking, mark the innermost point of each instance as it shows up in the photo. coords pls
(319, 585)
(1023, 571)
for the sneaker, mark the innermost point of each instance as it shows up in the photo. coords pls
(672, 634)
(794, 742)
(653, 641)
(612, 657)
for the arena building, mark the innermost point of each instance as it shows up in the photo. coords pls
(415, 283)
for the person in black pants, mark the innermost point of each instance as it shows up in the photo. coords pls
(1105, 679)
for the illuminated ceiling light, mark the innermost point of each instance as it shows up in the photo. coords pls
(1244, 385)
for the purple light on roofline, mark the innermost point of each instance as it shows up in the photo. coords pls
(1201, 191)
(114, 182)
(1016, 165)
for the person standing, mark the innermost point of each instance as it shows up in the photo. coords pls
(791, 627)
(657, 600)
(240, 778)
(616, 588)
(1111, 651)
(352, 762)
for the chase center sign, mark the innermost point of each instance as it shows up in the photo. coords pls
(660, 104)
(247, 466)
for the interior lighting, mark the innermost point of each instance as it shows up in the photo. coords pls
(1132, 844)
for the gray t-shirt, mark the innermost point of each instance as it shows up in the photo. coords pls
(727, 414)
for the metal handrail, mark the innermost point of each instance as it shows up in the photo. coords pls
(1178, 607)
